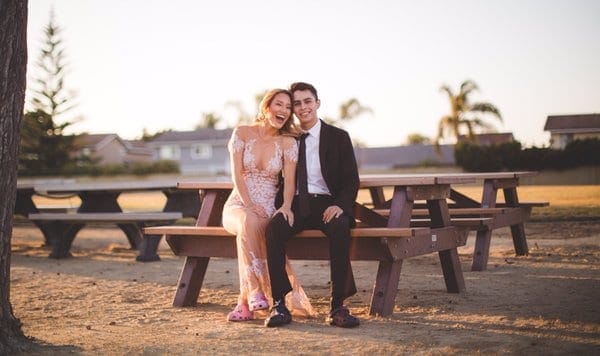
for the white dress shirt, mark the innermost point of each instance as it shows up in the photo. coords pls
(316, 183)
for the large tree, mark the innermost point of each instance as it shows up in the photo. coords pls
(48, 90)
(463, 113)
(13, 66)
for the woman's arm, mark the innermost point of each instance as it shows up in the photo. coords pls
(236, 153)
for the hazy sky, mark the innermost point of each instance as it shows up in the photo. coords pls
(158, 65)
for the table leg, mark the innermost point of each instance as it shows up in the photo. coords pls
(49, 230)
(449, 259)
(378, 197)
(24, 204)
(453, 276)
(518, 230)
(99, 202)
(386, 288)
(148, 249)
(64, 239)
(134, 234)
(194, 268)
(190, 281)
(185, 201)
(484, 236)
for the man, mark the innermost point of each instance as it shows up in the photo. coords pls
(330, 177)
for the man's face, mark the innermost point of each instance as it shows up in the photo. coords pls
(305, 107)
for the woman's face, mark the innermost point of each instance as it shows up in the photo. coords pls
(279, 111)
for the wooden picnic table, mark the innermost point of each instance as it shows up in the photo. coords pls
(99, 203)
(512, 212)
(388, 240)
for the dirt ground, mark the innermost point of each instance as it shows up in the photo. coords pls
(103, 301)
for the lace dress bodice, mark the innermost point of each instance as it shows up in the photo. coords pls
(260, 182)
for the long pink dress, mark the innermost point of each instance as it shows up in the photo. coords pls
(249, 227)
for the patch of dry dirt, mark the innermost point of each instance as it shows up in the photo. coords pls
(103, 301)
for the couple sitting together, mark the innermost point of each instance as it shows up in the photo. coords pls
(320, 183)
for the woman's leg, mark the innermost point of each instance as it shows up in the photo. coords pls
(251, 251)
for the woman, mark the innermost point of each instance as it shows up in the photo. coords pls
(259, 153)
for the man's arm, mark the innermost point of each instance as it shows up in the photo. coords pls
(349, 182)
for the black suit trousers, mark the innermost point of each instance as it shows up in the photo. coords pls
(279, 231)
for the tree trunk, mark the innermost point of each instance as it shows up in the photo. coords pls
(13, 66)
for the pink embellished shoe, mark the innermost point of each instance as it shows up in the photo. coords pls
(240, 313)
(258, 302)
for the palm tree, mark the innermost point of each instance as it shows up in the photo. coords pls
(209, 120)
(348, 110)
(464, 113)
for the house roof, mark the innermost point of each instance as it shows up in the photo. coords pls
(403, 156)
(205, 134)
(137, 147)
(573, 123)
(494, 138)
(96, 141)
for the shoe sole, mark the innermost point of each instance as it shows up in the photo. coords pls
(276, 324)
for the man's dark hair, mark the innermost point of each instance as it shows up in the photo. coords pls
(300, 86)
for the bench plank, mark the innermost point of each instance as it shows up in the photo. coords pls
(220, 231)
(105, 217)
(533, 204)
(471, 223)
(62, 228)
(453, 211)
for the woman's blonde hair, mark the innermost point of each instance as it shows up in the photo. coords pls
(289, 128)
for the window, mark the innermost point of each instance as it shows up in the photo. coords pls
(169, 152)
(201, 151)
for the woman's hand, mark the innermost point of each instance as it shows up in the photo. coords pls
(287, 213)
(259, 210)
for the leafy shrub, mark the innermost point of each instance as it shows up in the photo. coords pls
(509, 156)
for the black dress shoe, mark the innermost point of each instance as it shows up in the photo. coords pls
(280, 315)
(341, 317)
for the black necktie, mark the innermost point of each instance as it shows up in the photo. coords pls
(302, 179)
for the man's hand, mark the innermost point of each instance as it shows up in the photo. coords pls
(331, 212)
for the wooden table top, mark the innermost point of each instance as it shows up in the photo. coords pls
(109, 186)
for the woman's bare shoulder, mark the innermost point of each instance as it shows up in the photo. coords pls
(245, 131)
(288, 140)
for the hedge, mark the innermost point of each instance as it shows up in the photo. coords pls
(511, 156)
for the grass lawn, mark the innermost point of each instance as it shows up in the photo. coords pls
(567, 202)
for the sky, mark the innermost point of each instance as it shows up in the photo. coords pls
(152, 65)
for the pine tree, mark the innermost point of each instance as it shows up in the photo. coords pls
(45, 149)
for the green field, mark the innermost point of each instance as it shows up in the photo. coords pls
(567, 202)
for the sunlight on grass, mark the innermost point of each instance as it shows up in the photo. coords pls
(566, 201)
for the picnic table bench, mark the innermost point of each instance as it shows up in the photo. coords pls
(388, 243)
(486, 214)
(63, 227)
(99, 204)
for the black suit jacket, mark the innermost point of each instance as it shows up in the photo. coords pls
(338, 167)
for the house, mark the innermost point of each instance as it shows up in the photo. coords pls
(566, 128)
(202, 151)
(386, 158)
(106, 149)
(488, 139)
